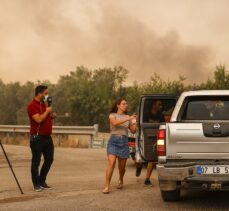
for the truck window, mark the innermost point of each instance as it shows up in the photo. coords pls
(158, 110)
(206, 108)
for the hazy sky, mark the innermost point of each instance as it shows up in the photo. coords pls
(43, 39)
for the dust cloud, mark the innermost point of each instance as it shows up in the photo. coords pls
(41, 40)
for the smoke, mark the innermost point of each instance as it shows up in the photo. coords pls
(41, 40)
(127, 41)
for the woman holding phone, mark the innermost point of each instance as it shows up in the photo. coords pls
(117, 147)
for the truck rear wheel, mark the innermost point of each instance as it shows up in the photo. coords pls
(170, 195)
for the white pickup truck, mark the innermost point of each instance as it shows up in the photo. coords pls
(193, 148)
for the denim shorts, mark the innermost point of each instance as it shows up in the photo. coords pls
(118, 145)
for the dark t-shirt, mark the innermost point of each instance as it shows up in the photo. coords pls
(155, 118)
(45, 127)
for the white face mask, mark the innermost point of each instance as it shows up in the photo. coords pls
(45, 98)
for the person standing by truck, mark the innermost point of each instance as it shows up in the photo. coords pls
(117, 147)
(155, 116)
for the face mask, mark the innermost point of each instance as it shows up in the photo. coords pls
(45, 98)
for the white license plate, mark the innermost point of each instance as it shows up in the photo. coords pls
(213, 169)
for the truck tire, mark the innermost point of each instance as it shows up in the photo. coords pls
(170, 195)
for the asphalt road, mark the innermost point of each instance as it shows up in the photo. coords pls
(77, 177)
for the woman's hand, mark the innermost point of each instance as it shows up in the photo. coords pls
(133, 117)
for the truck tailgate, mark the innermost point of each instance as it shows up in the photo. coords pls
(189, 141)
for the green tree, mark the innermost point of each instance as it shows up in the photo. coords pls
(24, 94)
(87, 95)
(220, 80)
(10, 103)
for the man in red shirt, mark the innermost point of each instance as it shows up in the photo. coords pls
(40, 137)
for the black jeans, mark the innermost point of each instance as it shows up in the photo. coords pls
(41, 145)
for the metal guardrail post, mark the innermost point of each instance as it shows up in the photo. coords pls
(8, 138)
(96, 126)
(93, 137)
(91, 141)
(59, 141)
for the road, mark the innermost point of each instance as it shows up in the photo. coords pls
(77, 177)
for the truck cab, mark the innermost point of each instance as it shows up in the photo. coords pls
(147, 128)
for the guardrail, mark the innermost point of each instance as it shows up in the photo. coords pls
(92, 131)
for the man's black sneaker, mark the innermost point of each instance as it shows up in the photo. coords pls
(138, 169)
(148, 182)
(37, 188)
(45, 186)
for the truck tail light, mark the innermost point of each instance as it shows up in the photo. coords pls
(161, 143)
(131, 144)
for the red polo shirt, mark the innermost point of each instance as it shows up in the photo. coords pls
(45, 127)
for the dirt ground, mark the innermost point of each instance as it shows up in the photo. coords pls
(77, 178)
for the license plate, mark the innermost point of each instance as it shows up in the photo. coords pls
(213, 170)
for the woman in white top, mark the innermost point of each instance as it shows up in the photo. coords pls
(117, 146)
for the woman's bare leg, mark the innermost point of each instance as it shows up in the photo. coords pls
(122, 169)
(109, 171)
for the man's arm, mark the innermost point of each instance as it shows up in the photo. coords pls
(132, 128)
(38, 118)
